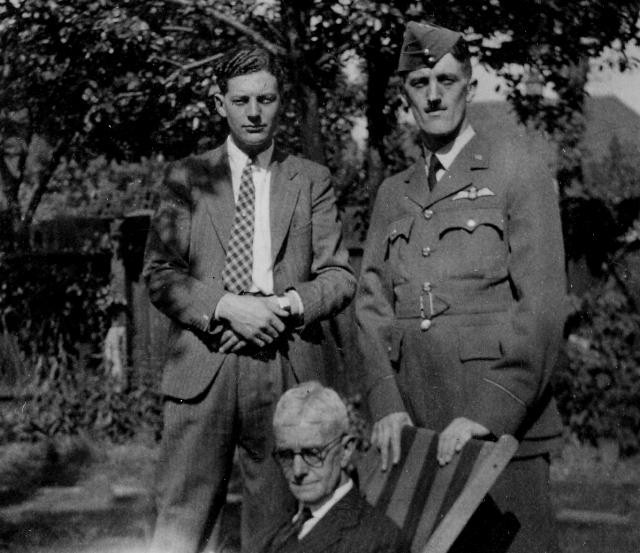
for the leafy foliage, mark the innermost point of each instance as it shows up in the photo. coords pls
(52, 310)
(59, 313)
(598, 393)
(601, 216)
(85, 403)
(102, 188)
(132, 78)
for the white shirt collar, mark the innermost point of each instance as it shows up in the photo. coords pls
(237, 158)
(338, 494)
(448, 153)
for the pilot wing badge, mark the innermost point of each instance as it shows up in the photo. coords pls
(472, 193)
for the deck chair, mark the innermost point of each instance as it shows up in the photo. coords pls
(433, 504)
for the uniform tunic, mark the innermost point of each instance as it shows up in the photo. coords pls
(461, 302)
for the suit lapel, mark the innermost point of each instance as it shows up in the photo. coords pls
(219, 197)
(284, 195)
(473, 156)
(344, 514)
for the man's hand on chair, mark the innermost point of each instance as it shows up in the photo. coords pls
(386, 434)
(456, 435)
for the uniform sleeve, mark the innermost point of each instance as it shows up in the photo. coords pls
(172, 288)
(536, 266)
(375, 315)
(332, 284)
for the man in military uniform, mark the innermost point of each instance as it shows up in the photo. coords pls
(462, 291)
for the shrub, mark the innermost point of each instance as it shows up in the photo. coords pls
(84, 403)
(50, 305)
(599, 392)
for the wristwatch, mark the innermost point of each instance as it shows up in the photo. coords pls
(285, 303)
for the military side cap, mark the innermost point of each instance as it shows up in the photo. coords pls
(424, 44)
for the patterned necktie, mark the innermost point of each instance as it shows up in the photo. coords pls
(287, 538)
(236, 275)
(434, 167)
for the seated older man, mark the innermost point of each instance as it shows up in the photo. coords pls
(313, 448)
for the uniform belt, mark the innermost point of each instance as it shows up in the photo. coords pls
(437, 302)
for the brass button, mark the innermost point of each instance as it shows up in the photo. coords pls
(471, 223)
(425, 325)
(426, 251)
(428, 213)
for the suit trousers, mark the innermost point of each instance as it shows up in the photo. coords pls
(200, 437)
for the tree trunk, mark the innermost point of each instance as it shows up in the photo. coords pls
(572, 96)
(311, 132)
(379, 72)
(294, 18)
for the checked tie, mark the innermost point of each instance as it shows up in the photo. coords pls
(236, 275)
(434, 167)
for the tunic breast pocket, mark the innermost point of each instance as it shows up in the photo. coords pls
(397, 244)
(473, 243)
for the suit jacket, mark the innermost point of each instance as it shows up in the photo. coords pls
(186, 254)
(481, 257)
(350, 526)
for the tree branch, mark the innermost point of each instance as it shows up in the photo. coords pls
(178, 28)
(235, 24)
(188, 66)
(167, 60)
(198, 63)
(42, 183)
(11, 183)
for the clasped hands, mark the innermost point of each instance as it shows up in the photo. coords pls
(252, 320)
(386, 437)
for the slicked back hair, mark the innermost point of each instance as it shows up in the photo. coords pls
(313, 403)
(244, 60)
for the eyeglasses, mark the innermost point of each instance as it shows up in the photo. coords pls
(312, 456)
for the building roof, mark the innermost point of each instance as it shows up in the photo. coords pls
(606, 117)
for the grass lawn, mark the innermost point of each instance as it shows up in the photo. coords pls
(597, 499)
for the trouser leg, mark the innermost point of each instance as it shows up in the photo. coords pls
(196, 455)
(265, 494)
(523, 489)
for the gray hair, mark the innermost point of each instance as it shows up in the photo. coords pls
(312, 402)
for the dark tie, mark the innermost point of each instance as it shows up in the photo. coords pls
(434, 167)
(287, 539)
(236, 275)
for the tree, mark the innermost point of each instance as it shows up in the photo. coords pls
(133, 78)
(85, 78)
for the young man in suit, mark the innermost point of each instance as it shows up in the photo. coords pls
(314, 448)
(461, 301)
(245, 256)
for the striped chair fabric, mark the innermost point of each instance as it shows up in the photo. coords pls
(432, 504)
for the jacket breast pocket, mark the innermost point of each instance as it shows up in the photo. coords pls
(473, 241)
